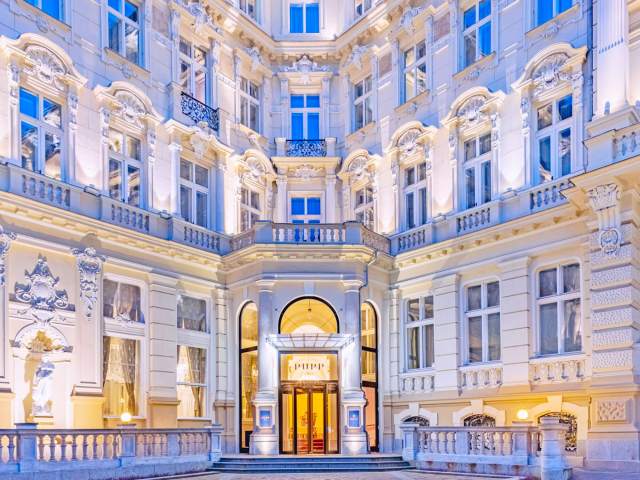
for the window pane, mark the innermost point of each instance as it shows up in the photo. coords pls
(548, 282)
(185, 169)
(427, 307)
(423, 206)
(52, 7)
(544, 145)
(409, 176)
(368, 326)
(368, 111)
(116, 141)
(313, 101)
(29, 146)
(564, 5)
(297, 126)
(428, 342)
(295, 18)
(545, 11)
(470, 183)
(133, 148)
(545, 116)
(422, 171)
(201, 209)
(116, 5)
(409, 85)
(254, 117)
(548, 328)
(469, 48)
(421, 50)
(565, 107)
(486, 182)
(202, 176)
(571, 278)
(28, 103)
(297, 206)
(413, 353)
(255, 200)
(52, 162)
(131, 38)
(131, 11)
(413, 310)
(120, 376)
(313, 18)
(409, 56)
(368, 366)
(115, 179)
(572, 326)
(474, 297)
(185, 203)
(493, 294)
(313, 126)
(192, 313)
(114, 33)
(484, 33)
(485, 144)
(564, 151)
(200, 87)
(493, 326)
(475, 339)
(469, 17)
(190, 370)
(313, 206)
(484, 9)
(409, 211)
(469, 149)
(51, 113)
(297, 101)
(133, 185)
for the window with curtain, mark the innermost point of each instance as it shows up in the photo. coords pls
(123, 29)
(419, 332)
(248, 325)
(559, 309)
(476, 35)
(193, 70)
(482, 321)
(545, 10)
(304, 17)
(194, 193)
(250, 209)
(41, 134)
(415, 71)
(415, 195)
(364, 207)
(362, 102)
(477, 171)
(553, 135)
(53, 8)
(192, 314)
(121, 301)
(191, 381)
(125, 168)
(249, 104)
(305, 117)
(369, 365)
(120, 376)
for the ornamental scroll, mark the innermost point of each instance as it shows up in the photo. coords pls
(605, 202)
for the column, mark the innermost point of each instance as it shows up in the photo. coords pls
(151, 165)
(86, 398)
(354, 437)
(446, 332)
(264, 439)
(213, 72)
(347, 211)
(284, 107)
(175, 151)
(13, 72)
(325, 124)
(162, 400)
(515, 320)
(346, 103)
(525, 112)
(105, 120)
(69, 167)
(612, 56)
(330, 196)
(219, 221)
(495, 155)
(6, 238)
(280, 214)
(395, 351)
(225, 405)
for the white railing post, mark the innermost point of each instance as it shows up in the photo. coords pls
(553, 465)
(409, 441)
(215, 442)
(27, 455)
(127, 444)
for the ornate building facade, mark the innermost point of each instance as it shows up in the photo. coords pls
(312, 221)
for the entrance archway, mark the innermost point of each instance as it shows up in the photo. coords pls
(248, 332)
(308, 315)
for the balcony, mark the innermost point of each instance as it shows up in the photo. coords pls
(325, 147)
(199, 112)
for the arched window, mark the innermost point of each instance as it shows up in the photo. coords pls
(308, 315)
(369, 365)
(571, 437)
(423, 422)
(479, 420)
(248, 371)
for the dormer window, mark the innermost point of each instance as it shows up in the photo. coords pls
(304, 17)
(124, 29)
(477, 170)
(193, 70)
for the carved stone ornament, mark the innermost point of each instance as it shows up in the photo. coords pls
(305, 66)
(605, 200)
(612, 411)
(201, 18)
(256, 58)
(358, 168)
(45, 66)
(129, 108)
(253, 170)
(470, 113)
(199, 140)
(36, 338)
(355, 57)
(40, 293)
(5, 244)
(407, 18)
(525, 107)
(89, 266)
(306, 171)
(549, 73)
(408, 143)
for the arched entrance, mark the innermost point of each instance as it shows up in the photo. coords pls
(308, 380)
(248, 332)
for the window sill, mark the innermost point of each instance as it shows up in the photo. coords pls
(551, 26)
(472, 71)
(481, 365)
(418, 372)
(364, 131)
(125, 63)
(41, 14)
(411, 105)
(557, 356)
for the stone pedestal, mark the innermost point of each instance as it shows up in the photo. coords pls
(264, 439)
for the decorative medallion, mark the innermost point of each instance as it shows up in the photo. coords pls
(549, 73)
(89, 265)
(305, 66)
(408, 143)
(306, 171)
(45, 66)
(129, 108)
(39, 291)
(470, 112)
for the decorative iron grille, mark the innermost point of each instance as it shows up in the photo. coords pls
(199, 112)
(306, 148)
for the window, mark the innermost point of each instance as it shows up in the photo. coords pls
(559, 315)
(479, 420)
(369, 365)
(249, 208)
(305, 117)
(419, 329)
(248, 371)
(547, 9)
(120, 376)
(124, 29)
(415, 195)
(477, 171)
(476, 33)
(482, 319)
(193, 70)
(306, 209)
(362, 6)
(121, 302)
(53, 8)
(554, 139)
(415, 71)
(194, 193)
(41, 134)
(192, 314)
(364, 207)
(250, 7)
(125, 168)
(191, 384)
(249, 104)
(304, 17)
(363, 98)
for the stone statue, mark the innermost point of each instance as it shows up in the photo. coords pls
(42, 388)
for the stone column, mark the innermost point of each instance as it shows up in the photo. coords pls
(6, 238)
(69, 167)
(149, 196)
(446, 332)
(395, 336)
(346, 102)
(13, 83)
(105, 121)
(525, 112)
(280, 215)
(284, 107)
(162, 401)
(354, 437)
(515, 319)
(330, 195)
(175, 151)
(264, 439)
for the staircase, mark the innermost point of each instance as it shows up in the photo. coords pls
(309, 464)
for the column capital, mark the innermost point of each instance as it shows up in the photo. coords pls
(265, 285)
(352, 285)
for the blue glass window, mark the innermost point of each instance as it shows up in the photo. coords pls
(52, 8)
(313, 206)
(469, 17)
(297, 101)
(313, 17)
(484, 9)
(296, 14)
(545, 11)
(564, 5)
(565, 107)
(485, 39)
(297, 206)
(313, 126)
(297, 126)
(28, 103)
(313, 101)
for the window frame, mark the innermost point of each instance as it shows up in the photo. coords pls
(553, 131)
(475, 29)
(195, 189)
(555, 11)
(245, 6)
(304, 4)
(420, 217)
(413, 68)
(188, 331)
(194, 66)
(421, 325)
(305, 218)
(123, 21)
(204, 386)
(361, 7)
(476, 164)
(61, 8)
(246, 208)
(364, 101)
(125, 161)
(483, 312)
(251, 101)
(305, 111)
(364, 212)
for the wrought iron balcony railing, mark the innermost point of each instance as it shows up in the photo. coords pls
(306, 148)
(199, 112)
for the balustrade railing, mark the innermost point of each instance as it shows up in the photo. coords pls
(415, 238)
(557, 370)
(199, 112)
(197, 236)
(417, 383)
(548, 194)
(327, 233)
(41, 188)
(119, 213)
(474, 377)
(475, 218)
(306, 148)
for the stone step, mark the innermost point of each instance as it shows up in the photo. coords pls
(313, 469)
(305, 464)
(268, 466)
(315, 459)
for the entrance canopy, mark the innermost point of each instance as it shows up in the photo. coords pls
(308, 316)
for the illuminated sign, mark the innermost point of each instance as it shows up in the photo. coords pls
(308, 368)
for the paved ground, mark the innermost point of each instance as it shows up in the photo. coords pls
(344, 476)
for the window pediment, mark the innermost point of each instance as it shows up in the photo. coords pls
(411, 142)
(358, 168)
(128, 106)
(474, 111)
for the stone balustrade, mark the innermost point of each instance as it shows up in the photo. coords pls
(626, 143)
(123, 215)
(411, 383)
(557, 370)
(136, 452)
(415, 238)
(199, 237)
(474, 377)
(476, 218)
(548, 194)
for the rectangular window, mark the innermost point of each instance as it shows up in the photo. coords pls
(362, 6)
(415, 191)
(125, 167)
(121, 302)
(193, 70)
(194, 193)
(305, 117)
(306, 209)
(250, 208)
(419, 327)
(304, 17)
(362, 103)
(477, 171)
(120, 376)
(250, 7)
(124, 29)
(547, 9)
(476, 33)
(415, 71)
(192, 314)
(53, 8)
(554, 139)
(364, 207)
(409, 210)
(191, 382)
(41, 134)
(482, 313)
(559, 311)
(249, 104)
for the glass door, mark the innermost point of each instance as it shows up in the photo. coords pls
(317, 420)
(287, 415)
(302, 429)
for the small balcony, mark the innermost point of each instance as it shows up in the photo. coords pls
(325, 147)
(199, 112)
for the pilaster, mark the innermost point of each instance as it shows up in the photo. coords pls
(446, 332)
(394, 341)
(6, 238)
